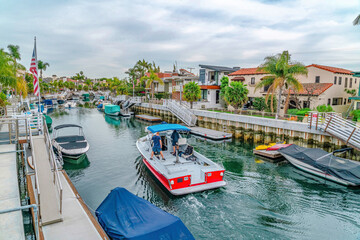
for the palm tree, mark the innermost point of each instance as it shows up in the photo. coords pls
(7, 77)
(192, 92)
(236, 94)
(42, 66)
(283, 73)
(15, 54)
(357, 20)
(150, 81)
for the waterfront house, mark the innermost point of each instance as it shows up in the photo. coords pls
(323, 85)
(209, 81)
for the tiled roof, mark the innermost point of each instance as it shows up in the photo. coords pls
(331, 69)
(313, 89)
(160, 75)
(247, 71)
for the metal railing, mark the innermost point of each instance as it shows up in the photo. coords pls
(36, 211)
(181, 112)
(52, 158)
(345, 130)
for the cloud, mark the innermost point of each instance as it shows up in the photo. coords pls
(103, 38)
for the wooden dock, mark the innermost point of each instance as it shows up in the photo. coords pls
(209, 133)
(273, 156)
(148, 118)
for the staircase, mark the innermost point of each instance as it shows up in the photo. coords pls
(182, 112)
(335, 125)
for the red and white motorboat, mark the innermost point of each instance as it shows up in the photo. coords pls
(188, 172)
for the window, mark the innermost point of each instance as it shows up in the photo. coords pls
(350, 86)
(317, 79)
(203, 94)
(340, 80)
(346, 82)
(344, 101)
(349, 100)
(329, 100)
(306, 104)
(266, 88)
(335, 80)
(337, 101)
(252, 81)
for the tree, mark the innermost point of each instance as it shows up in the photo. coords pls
(283, 73)
(236, 94)
(42, 66)
(7, 77)
(150, 81)
(259, 104)
(86, 88)
(224, 84)
(192, 93)
(79, 87)
(15, 55)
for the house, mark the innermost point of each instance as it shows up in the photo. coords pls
(323, 85)
(173, 82)
(209, 81)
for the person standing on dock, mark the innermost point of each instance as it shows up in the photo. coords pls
(157, 147)
(175, 138)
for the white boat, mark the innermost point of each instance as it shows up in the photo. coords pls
(323, 164)
(185, 173)
(70, 104)
(72, 146)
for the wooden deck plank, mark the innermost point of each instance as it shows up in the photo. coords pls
(209, 133)
(148, 118)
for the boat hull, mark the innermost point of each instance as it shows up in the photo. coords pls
(186, 190)
(115, 114)
(315, 171)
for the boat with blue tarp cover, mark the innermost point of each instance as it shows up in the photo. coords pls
(323, 164)
(182, 170)
(126, 216)
(112, 110)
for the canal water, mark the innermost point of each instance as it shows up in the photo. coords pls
(261, 201)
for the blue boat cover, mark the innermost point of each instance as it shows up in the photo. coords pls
(126, 216)
(166, 127)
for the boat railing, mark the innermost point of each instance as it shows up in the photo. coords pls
(53, 163)
(337, 126)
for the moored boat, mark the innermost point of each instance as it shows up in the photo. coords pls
(323, 164)
(71, 147)
(185, 173)
(112, 110)
(126, 216)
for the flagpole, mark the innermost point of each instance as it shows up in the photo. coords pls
(39, 106)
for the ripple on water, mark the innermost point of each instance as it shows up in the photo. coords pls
(261, 201)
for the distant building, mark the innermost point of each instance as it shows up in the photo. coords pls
(322, 85)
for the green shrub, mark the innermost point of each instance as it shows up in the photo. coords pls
(324, 108)
(355, 114)
(259, 104)
(292, 111)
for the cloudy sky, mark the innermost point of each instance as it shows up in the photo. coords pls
(103, 38)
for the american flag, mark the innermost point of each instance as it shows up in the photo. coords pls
(34, 71)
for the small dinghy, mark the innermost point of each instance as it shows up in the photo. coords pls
(186, 172)
(71, 146)
(323, 164)
(125, 216)
(112, 110)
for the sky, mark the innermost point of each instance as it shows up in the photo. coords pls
(103, 38)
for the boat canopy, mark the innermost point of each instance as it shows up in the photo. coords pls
(110, 108)
(66, 125)
(318, 158)
(126, 216)
(166, 127)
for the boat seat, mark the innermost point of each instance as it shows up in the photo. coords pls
(65, 139)
(182, 144)
(74, 145)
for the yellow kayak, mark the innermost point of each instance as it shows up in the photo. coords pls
(264, 147)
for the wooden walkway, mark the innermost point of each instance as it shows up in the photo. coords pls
(49, 203)
(11, 224)
(148, 118)
(209, 133)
